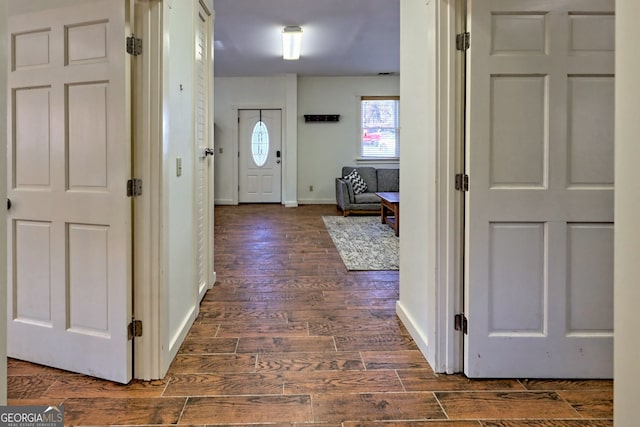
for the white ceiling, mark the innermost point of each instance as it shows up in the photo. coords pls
(340, 37)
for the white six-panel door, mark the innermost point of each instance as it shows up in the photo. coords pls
(69, 227)
(260, 182)
(539, 254)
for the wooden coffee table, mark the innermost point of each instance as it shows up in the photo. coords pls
(390, 209)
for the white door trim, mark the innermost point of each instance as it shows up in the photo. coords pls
(154, 351)
(448, 298)
(263, 183)
(3, 213)
(449, 351)
(236, 148)
(147, 78)
(432, 324)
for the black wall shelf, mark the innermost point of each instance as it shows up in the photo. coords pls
(322, 117)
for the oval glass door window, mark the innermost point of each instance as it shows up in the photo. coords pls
(260, 144)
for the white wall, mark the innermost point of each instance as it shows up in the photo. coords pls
(3, 195)
(323, 148)
(418, 96)
(178, 192)
(314, 152)
(290, 153)
(627, 212)
(231, 94)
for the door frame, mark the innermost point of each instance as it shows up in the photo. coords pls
(434, 332)
(459, 217)
(449, 351)
(4, 56)
(150, 80)
(446, 353)
(147, 164)
(236, 147)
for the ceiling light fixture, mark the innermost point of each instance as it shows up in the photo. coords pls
(291, 42)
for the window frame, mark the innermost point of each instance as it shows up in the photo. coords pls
(360, 146)
(265, 131)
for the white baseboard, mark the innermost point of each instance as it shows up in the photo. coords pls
(420, 340)
(223, 202)
(293, 204)
(178, 338)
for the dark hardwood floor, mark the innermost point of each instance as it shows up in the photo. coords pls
(288, 336)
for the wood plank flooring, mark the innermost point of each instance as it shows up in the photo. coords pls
(289, 337)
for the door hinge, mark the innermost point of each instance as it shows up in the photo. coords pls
(134, 45)
(134, 187)
(463, 41)
(460, 323)
(462, 182)
(134, 329)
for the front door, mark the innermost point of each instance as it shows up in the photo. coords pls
(260, 142)
(69, 158)
(539, 217)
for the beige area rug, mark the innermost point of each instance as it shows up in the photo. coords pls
(364, 243)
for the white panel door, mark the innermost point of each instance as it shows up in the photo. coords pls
(204, 198)
(539, 233)
(69, 227)
(260, 142)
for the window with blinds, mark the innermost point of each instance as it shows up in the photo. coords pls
(379, 130)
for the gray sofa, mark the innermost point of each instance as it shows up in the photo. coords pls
(377, 180)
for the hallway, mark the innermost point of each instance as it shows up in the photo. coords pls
(287, 335)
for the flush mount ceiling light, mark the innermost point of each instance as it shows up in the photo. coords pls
(291, 42)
